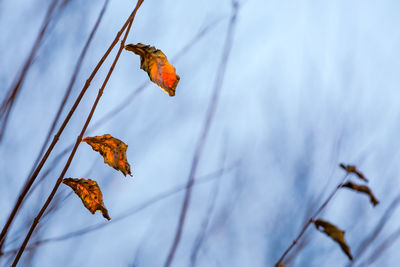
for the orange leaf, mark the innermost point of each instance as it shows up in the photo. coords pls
(156, 64)
(90, 194)
(113, 150)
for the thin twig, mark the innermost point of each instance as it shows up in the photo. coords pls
(132, 211)
(79, 139)
(68, 90)
(210, 210)
(143, 239)
(203, 137)
(31, 180)
(378, 229)
(70, 85)
(8, 102)
(305, 240)
(201, 33)
(311, 220)
(128, 100)
(378, 251)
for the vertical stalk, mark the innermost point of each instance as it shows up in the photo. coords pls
(205, 130)
(311, 220)
(8, 103)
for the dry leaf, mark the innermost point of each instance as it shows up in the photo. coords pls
(362, 189)
(335, 233)
(90, 194)
(113, 150)
(353, 169)
(155, 63)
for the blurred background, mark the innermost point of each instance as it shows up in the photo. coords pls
(307, 85)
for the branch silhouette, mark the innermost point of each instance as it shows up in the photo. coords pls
(8, 102)
(205, 131)
(311, 220)
(132, 211)
(129, 99)
(79, 139)
(34, 175)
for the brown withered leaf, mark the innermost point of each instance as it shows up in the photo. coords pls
(156, 64)
(335, 233)
(353, 169)
(113, 150)
(90, 194)
(362, 189)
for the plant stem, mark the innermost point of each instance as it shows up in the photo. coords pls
(311, 220)
(34, 175)
(205, 130)
(78, 140)
(8, 103)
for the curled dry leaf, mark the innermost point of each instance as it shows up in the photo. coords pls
(335, 233)
(90, 194)
(113, 150)
(362, 189)
(155, 63)
(353, 169)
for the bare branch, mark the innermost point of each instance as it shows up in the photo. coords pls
(8, 103)
(206, 221)
(205, 130)
(79, 139)
(34, 175)
(131, 211)
(377, 230)
(310, 221)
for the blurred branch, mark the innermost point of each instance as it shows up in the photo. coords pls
(55, 205)
(67, 92)
(211, 256)
(222, 218)
(303, 241)
(378, 229)
(206, 221)
(129, 99)
(79, 139)
(28, 185)
(70, 85)
(129, 212)
(206, 127)
(8, 102)
(310, 221)
(143, 239)
(379, 250)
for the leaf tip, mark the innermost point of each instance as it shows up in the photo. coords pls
(105, 214)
